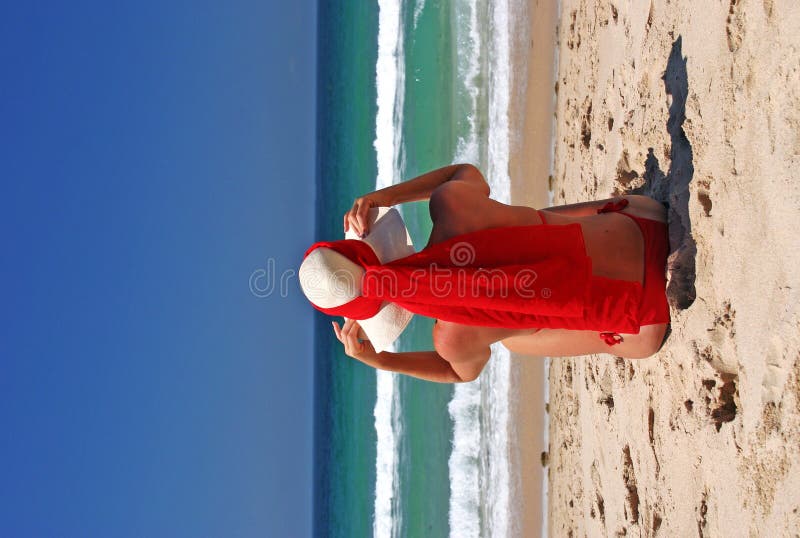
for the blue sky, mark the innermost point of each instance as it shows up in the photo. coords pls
(154, 155)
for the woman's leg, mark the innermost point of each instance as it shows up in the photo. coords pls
(639, 205)
(582, 209)
(570, 343)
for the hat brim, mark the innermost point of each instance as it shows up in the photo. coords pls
(389, 239)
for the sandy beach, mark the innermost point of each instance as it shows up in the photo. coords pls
(696, 104)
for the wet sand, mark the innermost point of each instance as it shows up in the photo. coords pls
(532, 125)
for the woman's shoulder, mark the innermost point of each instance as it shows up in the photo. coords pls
(462, 210)
(455, 339)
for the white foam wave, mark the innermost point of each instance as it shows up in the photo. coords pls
(466, 478)
(389, 78)
(498, 509)
(479, 463)
(468, 68)
(499, 96)
(467, 475)
(418, 7)
(386, 460)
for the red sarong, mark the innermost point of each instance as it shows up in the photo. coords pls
(517, 277)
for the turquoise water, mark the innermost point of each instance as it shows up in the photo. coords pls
(429, 136)
(398, 456)
(344, 434)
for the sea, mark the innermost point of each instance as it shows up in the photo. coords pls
(404, 87)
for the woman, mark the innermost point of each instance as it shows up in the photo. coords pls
(625, 239)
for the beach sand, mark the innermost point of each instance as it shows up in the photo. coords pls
(696, 104)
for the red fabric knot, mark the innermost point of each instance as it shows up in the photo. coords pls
(614, 206)
(611, 338)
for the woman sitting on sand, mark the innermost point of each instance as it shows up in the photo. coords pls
(571, 280)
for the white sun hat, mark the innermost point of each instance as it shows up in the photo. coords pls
(329, 279)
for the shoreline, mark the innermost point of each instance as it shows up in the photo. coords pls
(531, 110)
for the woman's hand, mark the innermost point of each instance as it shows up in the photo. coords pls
(428, 365)
(356, 218)
(413, 190)
(355, 347)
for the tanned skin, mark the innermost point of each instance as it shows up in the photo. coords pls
(459, 203)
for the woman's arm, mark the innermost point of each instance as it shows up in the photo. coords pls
(421, 187)
(413, 190)
(427, 365)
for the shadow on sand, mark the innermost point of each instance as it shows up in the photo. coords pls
(672, 188)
